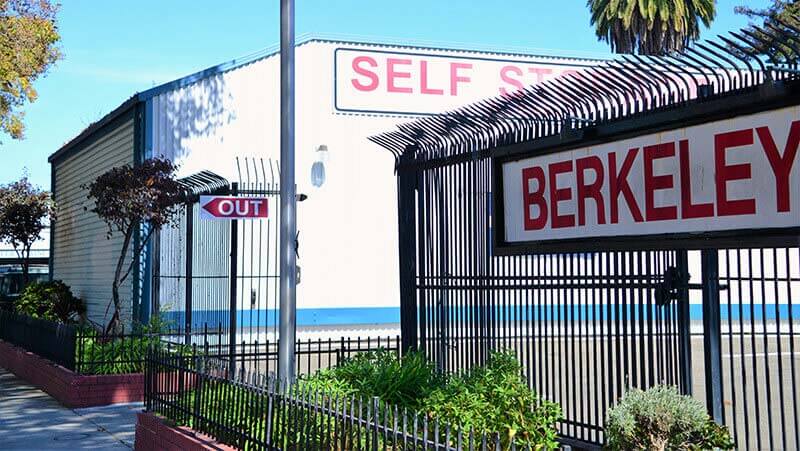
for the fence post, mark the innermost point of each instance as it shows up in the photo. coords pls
(712, 332)
(155, 283)
(375, 417)
(406, 203)
(233, 282)
(189, 258)
(684, 325)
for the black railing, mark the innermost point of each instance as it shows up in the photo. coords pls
(255, 411)
(311, 355)
(86, 351)
(51, 340)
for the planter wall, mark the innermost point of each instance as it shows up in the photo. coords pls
(152, 433)
(71, 389)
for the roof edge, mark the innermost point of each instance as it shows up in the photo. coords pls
(271, 51)
(120, 111)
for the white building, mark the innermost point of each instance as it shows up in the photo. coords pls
(346, 91)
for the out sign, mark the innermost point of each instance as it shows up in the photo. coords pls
(229, 207)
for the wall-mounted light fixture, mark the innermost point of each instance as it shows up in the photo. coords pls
(318, 168)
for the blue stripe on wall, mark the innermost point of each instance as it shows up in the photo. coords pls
(390, 315)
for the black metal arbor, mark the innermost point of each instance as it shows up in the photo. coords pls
(587, 325)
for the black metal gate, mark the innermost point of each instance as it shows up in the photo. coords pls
(584, 326)
(719, 324)
(220, 278)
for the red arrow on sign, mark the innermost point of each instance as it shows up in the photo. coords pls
(224, 207)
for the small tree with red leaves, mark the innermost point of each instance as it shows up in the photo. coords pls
(126, 198)
(24, 212)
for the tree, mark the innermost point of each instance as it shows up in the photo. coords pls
(24, 212)
(28, 38)
(784, 11)
(650, 27)
(126, 198)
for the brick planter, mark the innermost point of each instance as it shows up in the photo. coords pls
(71, 389)
(153, 433)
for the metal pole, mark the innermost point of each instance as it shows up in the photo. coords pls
(189, 260)
(288, 224)
(684, 325)
(233, 285)
(712, 333)
(406, 195)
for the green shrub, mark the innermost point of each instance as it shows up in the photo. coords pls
(101, 354)
(660, 418)
(50, 300)
(496, 399)
(108, 355)
(401, 382)
(490, 399)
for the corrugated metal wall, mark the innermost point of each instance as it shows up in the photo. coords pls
(82, 256)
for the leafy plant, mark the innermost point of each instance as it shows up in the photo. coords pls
(52, 300)
(24, 209)
(660, 418)
(401, 382)
(28, 47)
(490, 399)
(496, 399)
(650, 27)
(98, 353)
(127, 197)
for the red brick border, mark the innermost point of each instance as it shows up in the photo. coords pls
(71, 389)
(154, 434)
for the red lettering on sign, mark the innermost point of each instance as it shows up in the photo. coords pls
(653, 183)
(423, 68)
(618, 184)
(558, 194)
(506, 77)
(540, 73)
(372, 76)
(781, 166)
(455, 78)
(392, 74)
(534, 198)
(590, 190)
(726, 173)
(688, 209)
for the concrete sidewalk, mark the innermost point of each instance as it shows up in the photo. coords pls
(32, 420)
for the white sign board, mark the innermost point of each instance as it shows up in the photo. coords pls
(422, 83)
(735, 174)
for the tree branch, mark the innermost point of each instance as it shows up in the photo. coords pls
(136, 252)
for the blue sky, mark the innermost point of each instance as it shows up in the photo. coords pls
(115, 48)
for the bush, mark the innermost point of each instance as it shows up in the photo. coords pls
(51, 301)
(660, 418)
(401, 382)
(490, 399)
(496, 399)
(98, 353)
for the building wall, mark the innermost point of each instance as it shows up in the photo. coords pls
(82, 255)
(348, 227)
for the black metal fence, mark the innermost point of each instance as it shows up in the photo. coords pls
(48, 339)
(310, 354)
(258, 412)
(87, 351)
(588, 325)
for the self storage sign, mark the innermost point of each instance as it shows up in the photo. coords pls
(739, 174)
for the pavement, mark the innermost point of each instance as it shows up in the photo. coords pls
(31, 420)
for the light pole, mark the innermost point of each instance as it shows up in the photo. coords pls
(288, 217)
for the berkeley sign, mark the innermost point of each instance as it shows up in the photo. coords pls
(230, 207)
(730, 175)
